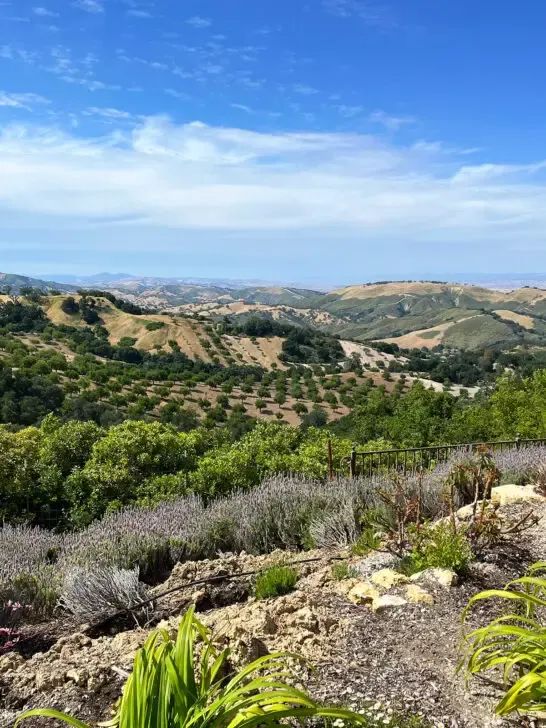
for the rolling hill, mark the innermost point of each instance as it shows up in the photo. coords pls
(411, 314)
(15, 283)
(132, 362)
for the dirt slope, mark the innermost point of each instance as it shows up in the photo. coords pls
(120, 324)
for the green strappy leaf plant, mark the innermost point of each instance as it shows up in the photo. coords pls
(170, 688)
(514, 642)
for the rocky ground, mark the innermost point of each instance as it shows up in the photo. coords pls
(379, 641)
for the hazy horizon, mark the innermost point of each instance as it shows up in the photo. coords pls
(514, 280)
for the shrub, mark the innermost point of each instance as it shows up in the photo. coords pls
(88, 592)
(439, 546)
(521, 466)
(540, 478)
(335, 529)
(275, 581)
(169, 686)
(515, 642)
(369, 539)
(343, 571)
(70, 306)
(26, 574)
(154, 325)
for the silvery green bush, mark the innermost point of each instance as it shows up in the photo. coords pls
(100, 589)
(523, 465)
(286, 512)
(27, 574)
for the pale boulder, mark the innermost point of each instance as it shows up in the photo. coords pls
(387, 578)
(443, 577)
(416, 594)
(387, 602)
(363, 593)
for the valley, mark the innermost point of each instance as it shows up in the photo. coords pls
(450, 315)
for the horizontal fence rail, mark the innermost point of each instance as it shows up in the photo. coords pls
(414, 460)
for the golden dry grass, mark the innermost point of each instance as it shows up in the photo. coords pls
(526, 321)
(120, 324)
(416, 340)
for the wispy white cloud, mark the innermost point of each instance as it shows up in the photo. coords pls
(90, 6)
(390, 121)
(177, 94)
(91, 84)
(44, 12)
(242, 107)
(139, 13)
(304, 90)
(198, 22)
(197, 177)
(107, 113)
(349, 112)
(380, 16)
(22, 101)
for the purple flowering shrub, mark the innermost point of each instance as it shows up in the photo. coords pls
(27, 573)
(286, 512)
(522, 466)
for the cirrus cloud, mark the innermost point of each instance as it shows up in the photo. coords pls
(163, 177)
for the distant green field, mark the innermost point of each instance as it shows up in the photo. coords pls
(477, 332)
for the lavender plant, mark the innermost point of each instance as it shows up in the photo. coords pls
(89, 592)
(282, 512)
(523, 465)
(27, 573)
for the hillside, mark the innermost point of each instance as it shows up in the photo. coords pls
(410, 314)
(413, 314)
(14, 283)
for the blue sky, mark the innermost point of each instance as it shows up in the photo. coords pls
(313, 140)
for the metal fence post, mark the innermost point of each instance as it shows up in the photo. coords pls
(352, 470)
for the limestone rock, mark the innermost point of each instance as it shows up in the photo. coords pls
(443, 577)
(80, 677)
(416, 594)
(507, 494)
(375, 560)
(387, 578)
(11, 661)
(504, 495)
(48, 679)
(363, 593)
(386, 602)
(304, 619)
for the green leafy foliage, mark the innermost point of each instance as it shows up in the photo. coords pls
(342, 571)
(369, 540)
(515, 642)
(168, 688)
(123, 462)
(154, 325)
(275, 581)
(439, 546)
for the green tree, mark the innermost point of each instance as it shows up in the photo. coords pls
(280, 398)
(299, 408)
(123, 461)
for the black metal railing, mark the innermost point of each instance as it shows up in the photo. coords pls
(413, 460)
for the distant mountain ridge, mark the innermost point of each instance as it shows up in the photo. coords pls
(412, 314)
(15, 282)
